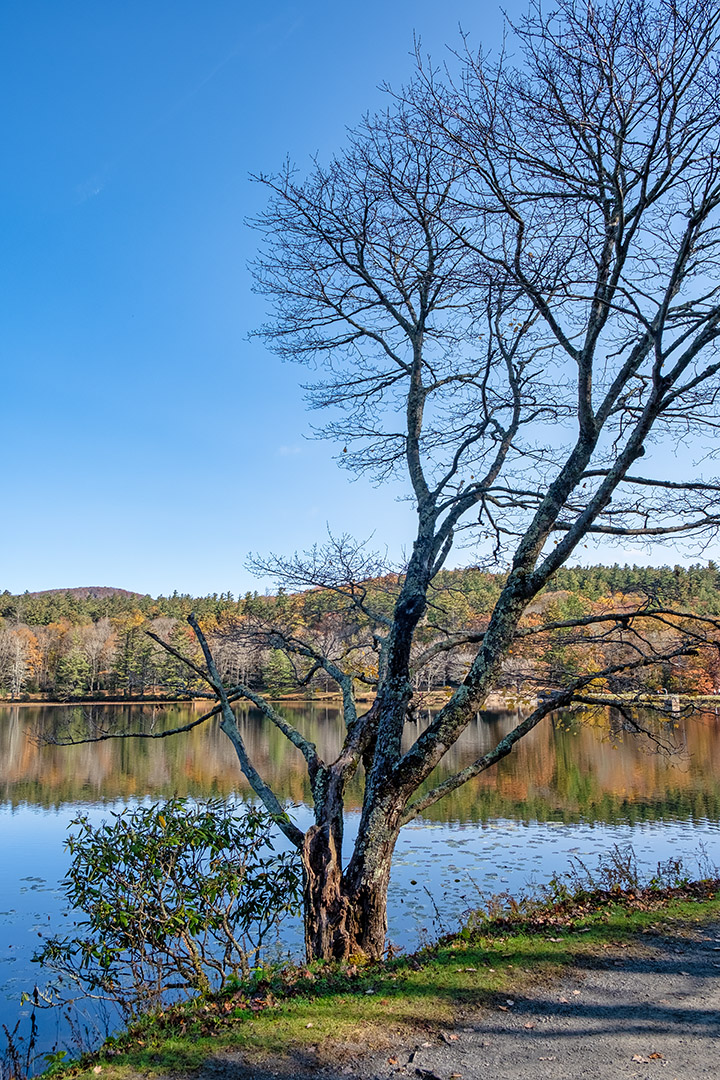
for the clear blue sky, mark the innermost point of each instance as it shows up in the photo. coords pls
(146, 443)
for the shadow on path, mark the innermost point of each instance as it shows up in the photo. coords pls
(652, 1010)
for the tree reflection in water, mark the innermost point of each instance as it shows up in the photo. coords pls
(575, 768)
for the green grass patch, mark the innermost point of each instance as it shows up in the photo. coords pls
(332, 1010)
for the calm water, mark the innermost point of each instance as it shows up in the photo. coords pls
(570, 789)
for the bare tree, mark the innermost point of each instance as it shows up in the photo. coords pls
(510, 283)
(19, 656)
(97, 644)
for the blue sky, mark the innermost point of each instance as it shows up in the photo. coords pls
(146, 443)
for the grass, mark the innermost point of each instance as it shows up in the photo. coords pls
(328, 1011)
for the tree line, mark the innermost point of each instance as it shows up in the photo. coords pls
(81, 644)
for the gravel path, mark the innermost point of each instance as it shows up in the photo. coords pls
(651, 1010)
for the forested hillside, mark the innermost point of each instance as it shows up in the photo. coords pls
(92, 642)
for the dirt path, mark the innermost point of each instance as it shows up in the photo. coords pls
(649, 1010)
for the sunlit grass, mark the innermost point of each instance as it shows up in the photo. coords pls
(329, 1011)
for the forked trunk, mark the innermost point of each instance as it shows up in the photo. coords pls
(345, 917)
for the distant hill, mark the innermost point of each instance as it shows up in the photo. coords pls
(87, 592)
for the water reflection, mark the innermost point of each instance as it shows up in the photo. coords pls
(565, 770)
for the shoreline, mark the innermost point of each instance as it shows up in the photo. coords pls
(435, 699)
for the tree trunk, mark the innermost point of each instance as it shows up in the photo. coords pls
(345, 914)
(325, 907)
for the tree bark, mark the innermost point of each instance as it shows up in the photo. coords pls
(325, 906)
(345, 915)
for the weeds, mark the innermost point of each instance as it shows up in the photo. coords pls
(616, 870)
(18, 1057)
(583, 888)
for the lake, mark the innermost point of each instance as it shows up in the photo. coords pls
(571, 789)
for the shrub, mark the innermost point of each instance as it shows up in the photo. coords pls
(175, 897)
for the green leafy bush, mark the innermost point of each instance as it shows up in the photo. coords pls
(177, 896)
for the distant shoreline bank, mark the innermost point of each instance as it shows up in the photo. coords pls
(497, 700)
